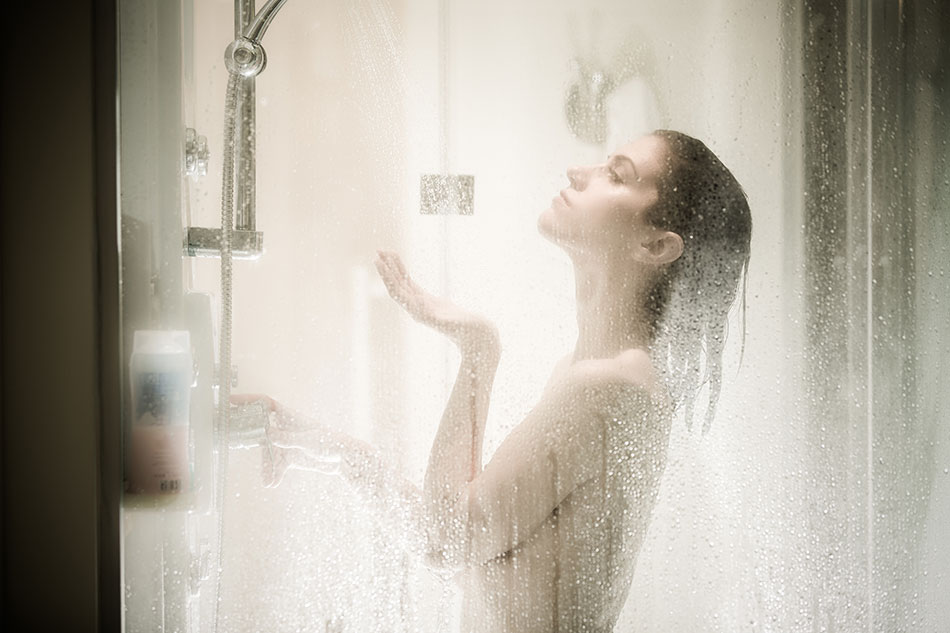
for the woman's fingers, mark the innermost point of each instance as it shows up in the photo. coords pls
(384, 274)
(396, 269)
(284, 417)
(436, 312)
(400, 267)
(382, 267)
(395, 289)
(387, 271)
(398, 283)
(411, 287)
(247, 398)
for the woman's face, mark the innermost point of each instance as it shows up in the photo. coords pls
(603, 209)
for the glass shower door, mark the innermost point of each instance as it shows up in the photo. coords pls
(441, 130)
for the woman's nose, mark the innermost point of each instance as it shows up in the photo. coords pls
(577, 177)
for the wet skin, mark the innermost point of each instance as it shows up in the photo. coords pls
(572, 570)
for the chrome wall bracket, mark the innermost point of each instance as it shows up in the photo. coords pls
(196, 153)
(205, 242)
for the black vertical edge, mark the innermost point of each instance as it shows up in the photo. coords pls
(907, 39)
(106, 193)
(50, 319)
(3, 473)
(834, 173)
(825, 180)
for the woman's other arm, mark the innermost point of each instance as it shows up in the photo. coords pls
(560, 445)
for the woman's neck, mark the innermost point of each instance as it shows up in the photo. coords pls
(611, 316)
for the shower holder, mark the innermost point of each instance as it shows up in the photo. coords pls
(205, 242)
(245, 57)
(196, 153)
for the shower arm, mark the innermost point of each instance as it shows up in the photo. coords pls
(255, 30)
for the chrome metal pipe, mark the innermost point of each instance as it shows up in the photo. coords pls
(249, 26)
(245, 216)
(255, 30)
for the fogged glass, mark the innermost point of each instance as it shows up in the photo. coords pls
(441, 131)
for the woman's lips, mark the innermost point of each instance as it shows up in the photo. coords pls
(562, 198)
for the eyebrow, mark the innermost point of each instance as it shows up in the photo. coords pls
(626, 159)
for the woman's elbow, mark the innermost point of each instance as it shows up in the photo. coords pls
(445, 546)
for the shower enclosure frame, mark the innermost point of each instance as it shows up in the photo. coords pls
(110, 327)
(61, 463)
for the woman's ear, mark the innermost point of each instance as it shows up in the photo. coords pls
(660, 247)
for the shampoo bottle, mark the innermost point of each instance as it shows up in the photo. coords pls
(161, 375)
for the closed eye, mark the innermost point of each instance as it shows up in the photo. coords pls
(614, 162)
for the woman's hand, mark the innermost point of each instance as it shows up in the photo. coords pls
(472, 332)
(280, 416)
(290, 435)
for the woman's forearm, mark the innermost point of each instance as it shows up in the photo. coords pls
(356, 461)
(456, 456)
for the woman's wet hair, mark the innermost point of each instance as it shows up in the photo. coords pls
(702, 201)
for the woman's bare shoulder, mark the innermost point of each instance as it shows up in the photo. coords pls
(601, 383)
(624, 388)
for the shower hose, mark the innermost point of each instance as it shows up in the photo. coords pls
(223, 418)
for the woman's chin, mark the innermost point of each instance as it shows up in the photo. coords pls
(547, 226)
(557, 231)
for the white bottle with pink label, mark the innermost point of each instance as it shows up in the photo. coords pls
(161, 375)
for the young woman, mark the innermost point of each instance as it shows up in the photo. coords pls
(545, 536)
